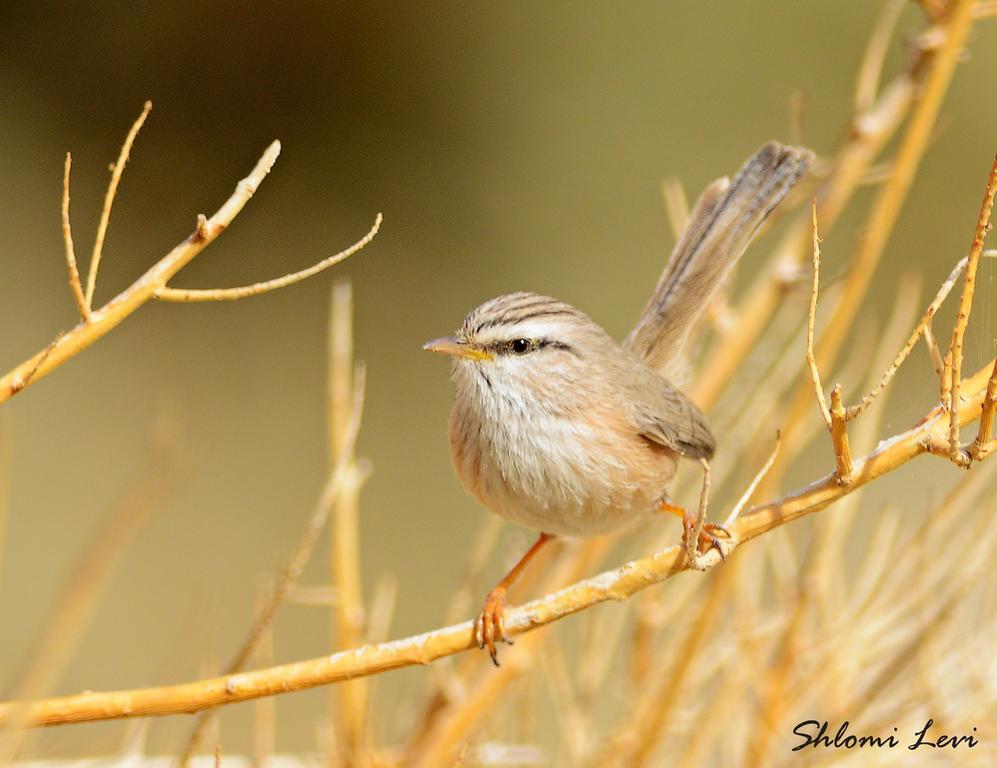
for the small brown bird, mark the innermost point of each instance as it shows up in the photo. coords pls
(557, 427)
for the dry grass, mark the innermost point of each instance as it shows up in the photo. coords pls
(709, 669)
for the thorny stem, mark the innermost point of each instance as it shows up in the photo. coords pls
(923, 327)
(887, 207)
(962, 317)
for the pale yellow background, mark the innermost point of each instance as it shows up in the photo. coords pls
(509, 145)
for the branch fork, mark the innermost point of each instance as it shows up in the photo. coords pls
(835, 417)
(616, 584)
(153, 284)
(949, 367)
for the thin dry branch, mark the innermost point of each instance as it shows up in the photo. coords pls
(112, 189)
(839, 437)
(812, 321)
(923, 327)
(936, 356)
(835, 416)
(73, 609)
(695, 559)
(617, 584)
(891, 198)
(965, 307)
(103, 320)
(866, 135)
(185, 295)
(70, 343)
(867, 82)
(774, 701)
(985, 442)
(634, 744)
(341, 476)
(454, 723)
(349, 702)
(67, 239)
(264, 709)
(742, 502)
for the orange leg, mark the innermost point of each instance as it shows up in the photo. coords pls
(490, 627)
(707, 537)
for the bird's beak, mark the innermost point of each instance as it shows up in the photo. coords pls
(448, 345)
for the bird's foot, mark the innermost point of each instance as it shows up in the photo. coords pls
(490, 626)
(711, 536)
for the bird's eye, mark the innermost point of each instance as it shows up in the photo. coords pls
(521, 346)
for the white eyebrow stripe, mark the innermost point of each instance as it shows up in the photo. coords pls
(529, 329)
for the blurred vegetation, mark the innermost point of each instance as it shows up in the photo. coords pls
(519, 146)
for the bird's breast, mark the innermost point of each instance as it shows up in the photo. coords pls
(574, 474)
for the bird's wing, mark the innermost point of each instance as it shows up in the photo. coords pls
(663, 415)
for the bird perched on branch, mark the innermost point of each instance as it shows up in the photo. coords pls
(559, 428)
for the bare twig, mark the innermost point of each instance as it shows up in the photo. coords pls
(867, 83)
(894, 192)
(695, 559)
(112, 188)
(154, 282)
(866, 135)
(834, 417)
(634, 744)
(107, 317)
(742, 502)
(616, 584)
(347, 615)
(936, 356)
(985, 442)
(830, 531)
(73, 609)
(67, 239)
(340, 476)
(811, 321)
(839, 437)
(456, 721)
(965, 307)
(265, 709)
(382, 610)
(885, 210)
(923, 327)
(774, 701)
(185, 295)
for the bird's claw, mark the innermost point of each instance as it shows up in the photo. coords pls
(490, 626)
(712, 536)
(719, 543)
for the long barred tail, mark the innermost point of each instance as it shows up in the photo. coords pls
(721, 226)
